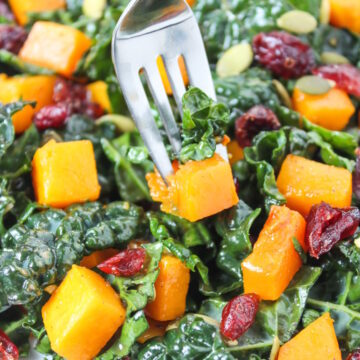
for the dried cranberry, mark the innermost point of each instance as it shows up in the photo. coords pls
(257, 119)
(283, 54)
(5, 11)
(238, 315)
(127, 263)
(346, 76)
(8, 350)
(12, 38)
(92, 110)
(237, 184)
(356, 175)
(326, 226)
(51, 116)
(355, 355)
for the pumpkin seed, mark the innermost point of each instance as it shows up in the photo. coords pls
(329, 57)
(123, 123)
(283, 93)
(357, 243)
(325, 12)
(297, 21)
(235, 60)
(94, 8)
(313, 85)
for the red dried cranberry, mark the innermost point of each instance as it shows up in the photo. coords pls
(346, 76)
(355, 355)
(92, 110)
(284, 54)
(238, 315)
(127, 263)
(356, 175)
(326, 226)
(12, 38)
(5, 11)
(51, 116)
(257, 119)
(8, 350)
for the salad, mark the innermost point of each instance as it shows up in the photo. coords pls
(255, 257)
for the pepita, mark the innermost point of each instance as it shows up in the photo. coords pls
(93, 8)
(283, 93)
(329, 57)
(235, 60)
(325, 12)
(297, 21)
(313, 85)
(123, 123)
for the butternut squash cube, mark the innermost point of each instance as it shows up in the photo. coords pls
(197, 190)
(345, 14)
(31, 88)
(171, 287)
(235, 152)
(21, 8)
(156, 328)
(55, 46)
(268, 270)
(82, 315)
(65, 173)
(97, 257)
(332, 110)
(316, 342)
(305, 183)
(99, 94)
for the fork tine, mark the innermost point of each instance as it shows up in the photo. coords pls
(140, 110)
(162, 102)
(175, 78)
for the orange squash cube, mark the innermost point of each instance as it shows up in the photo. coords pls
(97, 257)
(31, 88)
(332, 110)
(21, 8)
(55, 46)
(316, 342)
(197, 190)
(268, 270)
(99, 95)
(65, 173)
(172, 285)
(305, 183)
(345, 14)
(164, 77)
(235, 152)
(82, 315)
(156, 328)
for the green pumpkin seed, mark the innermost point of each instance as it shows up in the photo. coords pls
(235, 60)
(94, 8)
(325, 12)
(329, 57)
(123, 123)
(283, 93)
(297, 21)
(313, 85)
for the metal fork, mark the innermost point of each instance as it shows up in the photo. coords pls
(148, 29)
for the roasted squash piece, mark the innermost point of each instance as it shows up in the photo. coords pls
(171, 287)
(305, 183)
(345, 14)
(99, 94)
(82, 315)
(97, 257)
(316, 342)
(21, 8)
(235, 152)
(55, 46)
(332, 110)
(156, 328)
(32, 88)
(164, 77)
(197, 190)
(268, 270)
(65, 173)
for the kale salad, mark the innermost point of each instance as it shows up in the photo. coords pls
(253, 257)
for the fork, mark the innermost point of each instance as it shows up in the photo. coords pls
(146, 30)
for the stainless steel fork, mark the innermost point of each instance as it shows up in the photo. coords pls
(148, 29)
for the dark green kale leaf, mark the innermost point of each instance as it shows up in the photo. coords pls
(274, 319)
(204, 122)
(233, 226)
(192, 339)
(240, 93)
(131, 163)
(311, 6)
